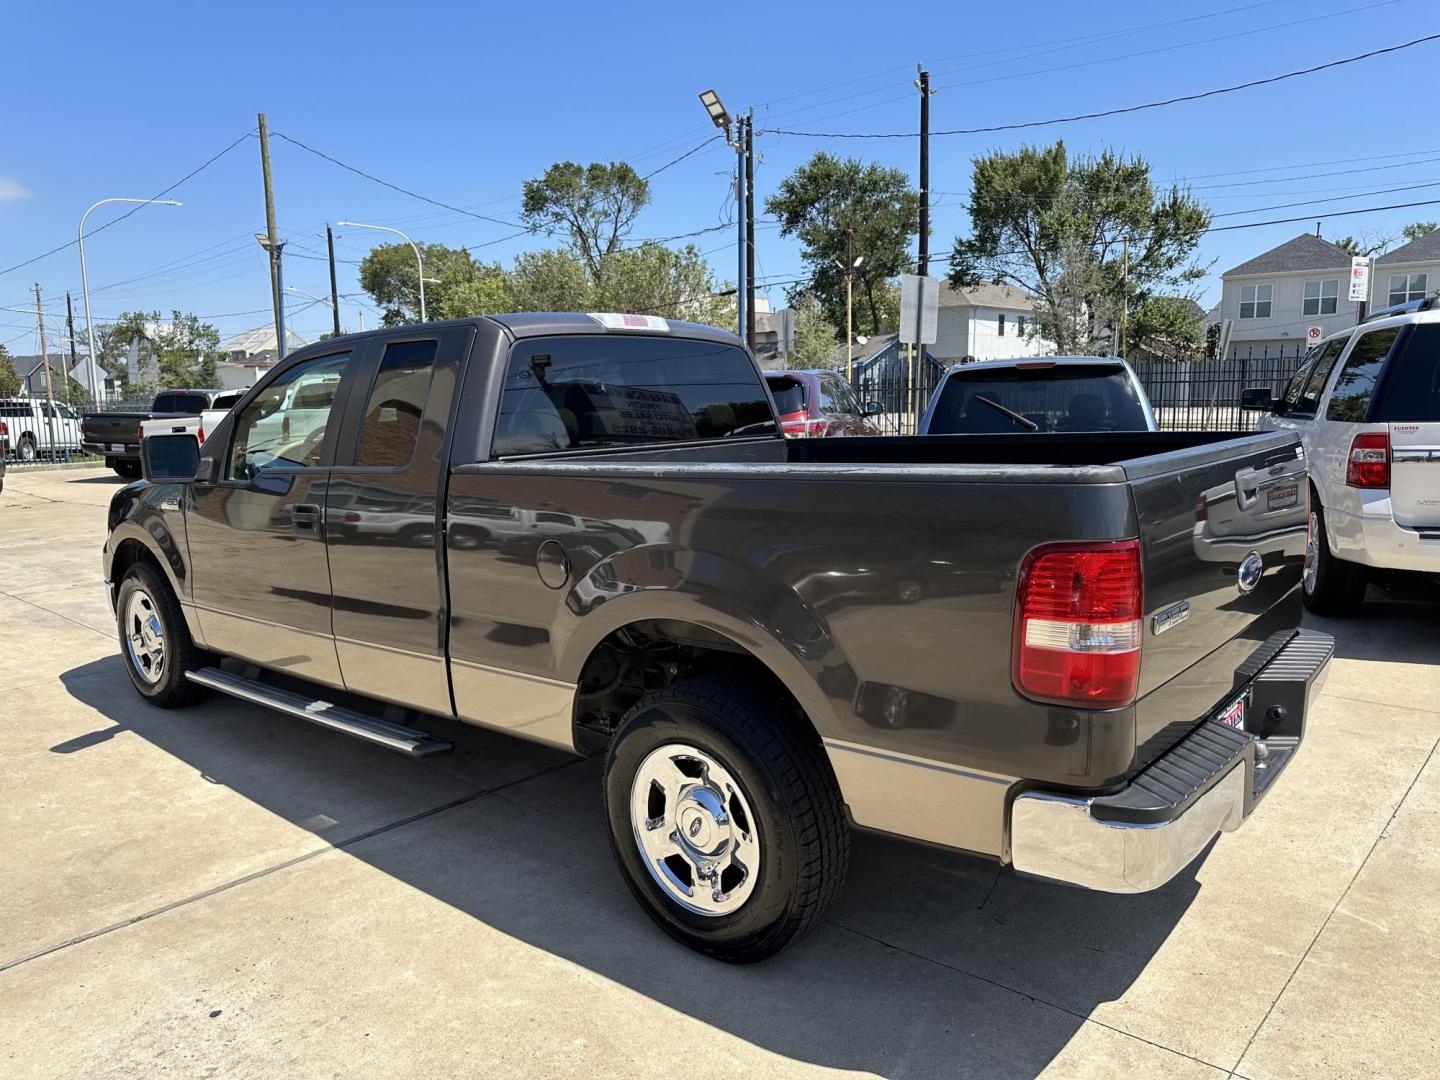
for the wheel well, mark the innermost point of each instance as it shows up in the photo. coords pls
(644, 656)
(129, 553)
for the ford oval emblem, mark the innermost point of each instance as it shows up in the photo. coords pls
(1251, 569)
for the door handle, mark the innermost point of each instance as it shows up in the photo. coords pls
(305, 518)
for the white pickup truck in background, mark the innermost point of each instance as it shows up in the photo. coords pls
(198, 426)
(1366, 404)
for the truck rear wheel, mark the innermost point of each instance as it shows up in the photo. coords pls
(725, 818)
(1331, 586)
(155, 643)
(129, 470)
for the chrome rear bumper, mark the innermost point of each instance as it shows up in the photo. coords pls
(1139, 838)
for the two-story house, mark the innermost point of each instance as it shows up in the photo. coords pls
(1273, 298)
(1407, 273)
(988, 322)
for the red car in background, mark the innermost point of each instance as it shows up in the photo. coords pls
(818, 403)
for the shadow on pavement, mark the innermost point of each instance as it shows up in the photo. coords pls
(931, 964)
(1401, 626)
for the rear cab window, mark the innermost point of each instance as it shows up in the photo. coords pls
(1056, 397)
(587, 392)
(181, 403)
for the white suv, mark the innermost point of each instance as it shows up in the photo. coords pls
(1366, 403)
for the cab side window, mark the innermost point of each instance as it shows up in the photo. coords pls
(391, 426)
(284, 426)
(1291, 397)
(1314, 389)
(1353, 389)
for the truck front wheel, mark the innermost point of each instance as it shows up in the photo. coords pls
(1331, 586)
(725, 818)
(154, 640)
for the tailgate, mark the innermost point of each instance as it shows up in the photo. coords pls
(1415, 474)
(111, 427)
(1222, 541)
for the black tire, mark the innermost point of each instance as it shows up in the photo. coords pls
(792, 795)
(25, 449)
(171, 689)
(129, 470)
(1335, 587)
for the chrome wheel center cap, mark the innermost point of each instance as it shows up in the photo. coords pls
(702, 824)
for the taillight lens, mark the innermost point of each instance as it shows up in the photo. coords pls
(1369, 465)
(1077, 624)
(4, 430)
(817, 427)
(200, 434)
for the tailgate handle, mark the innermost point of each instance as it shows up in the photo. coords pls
(1249, 481)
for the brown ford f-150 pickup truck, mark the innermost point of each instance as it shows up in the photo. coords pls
(1077, 654)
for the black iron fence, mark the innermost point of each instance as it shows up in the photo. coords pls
(1204, 395)
(40, 430)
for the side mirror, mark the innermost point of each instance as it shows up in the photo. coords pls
(1259, 398)
(873, 408)
(170, 459)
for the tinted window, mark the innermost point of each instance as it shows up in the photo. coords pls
(191, 404)
(789, 393)
(621, 390)
(1350, 400)
(227, 401)
(285, 424)
(1309, 399)
(845, 397)
(1291, 397)
(1412, 389)
(1060, 398)
(397, 400)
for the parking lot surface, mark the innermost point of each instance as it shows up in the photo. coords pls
(222, 891)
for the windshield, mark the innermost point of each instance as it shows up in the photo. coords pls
(788, 392)
(1070, 397)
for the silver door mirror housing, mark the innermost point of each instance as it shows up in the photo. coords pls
(873, 408)
(170, 459)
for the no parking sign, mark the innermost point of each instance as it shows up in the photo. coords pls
(1313, 334)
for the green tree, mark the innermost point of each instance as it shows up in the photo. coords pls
(815, 336)
(1167, 326)
(1057, 227)
(180, 352)
(391, 276)
(1417, 229)
(841, 210)
(9, 378)
(595, 205)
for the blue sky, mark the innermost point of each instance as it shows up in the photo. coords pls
(463, 102)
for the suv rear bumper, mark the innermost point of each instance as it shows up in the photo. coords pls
(1140, 837)
(1378, 541)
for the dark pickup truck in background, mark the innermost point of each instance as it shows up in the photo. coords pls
(1077, 654)
(116, 435)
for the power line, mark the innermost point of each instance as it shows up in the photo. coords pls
(136, 209)
(394, 187)
(1333, 198)
(1122, 109)
(682, 157)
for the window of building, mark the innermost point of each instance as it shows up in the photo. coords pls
(1350, 400)
(1407, 287)
(600, 390)
(1020, 325)
(284, 426)
(1321, 297)
(1255, 301)
(391, 426)
(1000, 324)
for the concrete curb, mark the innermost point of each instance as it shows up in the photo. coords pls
(13, 470)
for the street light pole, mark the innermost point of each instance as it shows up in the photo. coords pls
(721, 119)
(419, 259)
(85, 280)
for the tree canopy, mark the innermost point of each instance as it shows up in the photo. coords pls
(391, 276)
(595, 205)
(9, 377)
(182, 351)
(1057, 228)
(841, 210)
(1377, 240)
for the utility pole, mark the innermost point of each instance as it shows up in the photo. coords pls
(273, 235)
(750, 230)
(923, 85)
(70, 332)
(45, 363)
(334, 292)
(741, 288)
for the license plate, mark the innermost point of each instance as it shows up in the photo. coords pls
(118, 447)
(1280, 498)
(1233, 715)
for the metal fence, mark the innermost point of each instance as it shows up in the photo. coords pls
(1204, 395)
(900, 384)
(42, 432)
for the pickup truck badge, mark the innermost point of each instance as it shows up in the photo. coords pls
(1170, 618)
(1252, 567)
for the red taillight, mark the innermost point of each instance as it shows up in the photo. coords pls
(4, 430)
(817, 427)
(1369, 465)
(797, 424)
(200, 434)
(1077, 632)
(793, 428)
(140, 432)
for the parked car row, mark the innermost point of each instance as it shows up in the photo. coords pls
(115, 436)
(39, 428)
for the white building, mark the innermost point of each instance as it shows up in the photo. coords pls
(988, 322)
(1275, 297)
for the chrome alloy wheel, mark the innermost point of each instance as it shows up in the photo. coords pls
(145, 636)
(1311, 555)
(694, 828)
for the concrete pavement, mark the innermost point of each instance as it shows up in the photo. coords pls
(223, 891)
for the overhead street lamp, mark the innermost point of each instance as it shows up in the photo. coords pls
(849, 272)
(419, 259)
(85, 280)
(721, 119)
(263, 239)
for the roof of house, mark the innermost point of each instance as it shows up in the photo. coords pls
(1424, 248)
(262, 338)
(25, 366)
(1305, 252)
(987, 294)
